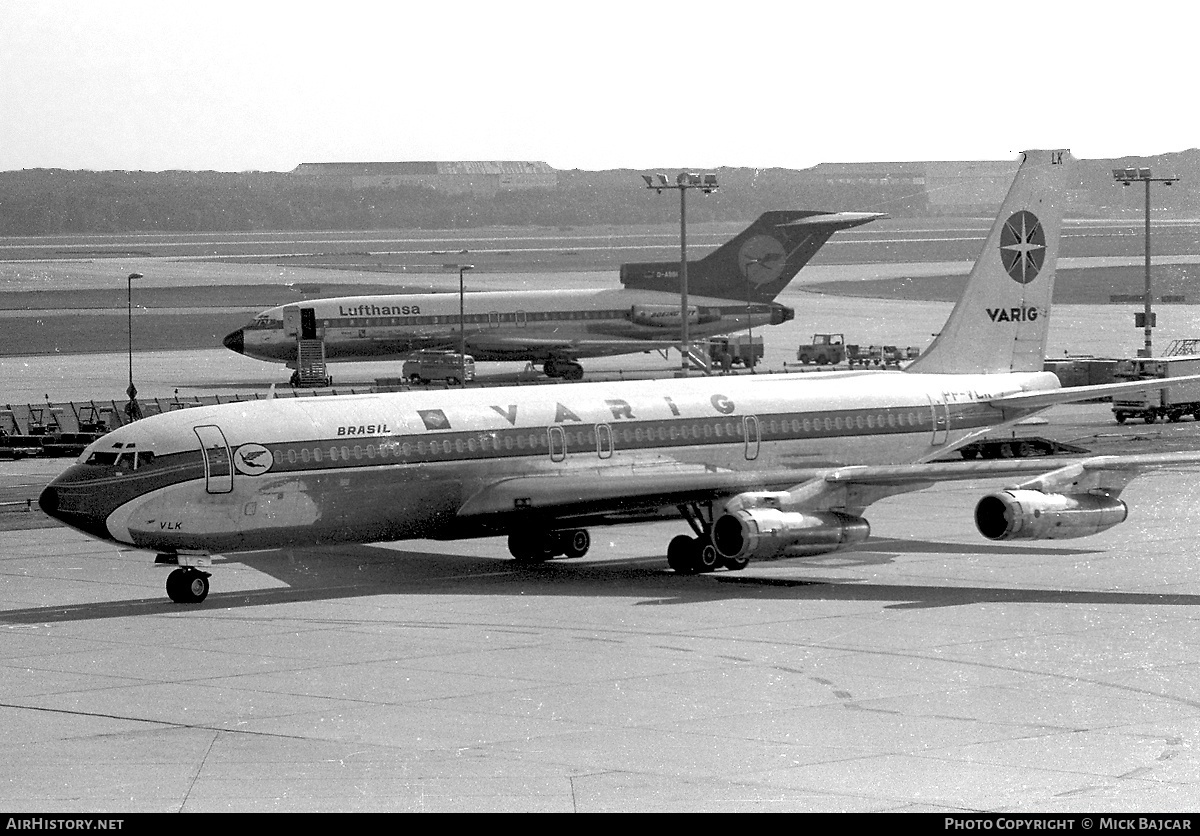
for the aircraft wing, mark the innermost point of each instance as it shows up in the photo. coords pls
(626, 490)
(1109, 474)
(640, 492)
(486, 342)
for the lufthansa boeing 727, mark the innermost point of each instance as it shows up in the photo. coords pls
(760, 467)
(730, 289)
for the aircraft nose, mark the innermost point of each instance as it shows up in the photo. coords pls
(48, 501)
(75, 502)
(236, 341)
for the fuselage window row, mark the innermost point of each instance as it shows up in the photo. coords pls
(580, 440)
(452, 319)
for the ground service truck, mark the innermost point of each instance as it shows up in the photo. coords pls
(1171, 403)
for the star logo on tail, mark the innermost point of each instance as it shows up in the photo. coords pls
(1023, 246)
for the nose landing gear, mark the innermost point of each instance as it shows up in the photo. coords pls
(187, 585)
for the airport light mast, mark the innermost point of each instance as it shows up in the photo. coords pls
(1126, 176)
(686, 180)
(132, 409)
(462, 324)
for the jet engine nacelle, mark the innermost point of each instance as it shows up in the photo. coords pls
(1033, 515)
(668, 316)
(662, 316)
(764, 533)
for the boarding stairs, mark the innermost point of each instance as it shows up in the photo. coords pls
(698, 357)
(1179, 348)
(310, 363)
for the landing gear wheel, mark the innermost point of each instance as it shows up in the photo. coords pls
(528, 547)
(1150, 417)
(679, 553)
(735, 564)
(187, 586)
(571, 371)
(577, 543)
(690, 555)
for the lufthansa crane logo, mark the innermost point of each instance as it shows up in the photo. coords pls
(253, 459)
(762, 259)
(1023, 246)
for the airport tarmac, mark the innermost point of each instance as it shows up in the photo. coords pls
(928, 670)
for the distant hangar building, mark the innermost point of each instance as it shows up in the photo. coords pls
(944, 188)
(484, 178)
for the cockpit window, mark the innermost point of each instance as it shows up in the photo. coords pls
(131, 460)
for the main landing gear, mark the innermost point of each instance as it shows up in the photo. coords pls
(686, 555)
(566, 369)
(187, 585)
(694, 555)
(539, 546)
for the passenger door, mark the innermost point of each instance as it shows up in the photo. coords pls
(941, 419)
(752, 434)
(218, 464)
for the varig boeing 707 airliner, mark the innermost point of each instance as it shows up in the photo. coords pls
(731, 289)
(759, 467)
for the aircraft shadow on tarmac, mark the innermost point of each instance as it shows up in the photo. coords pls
(332, 573)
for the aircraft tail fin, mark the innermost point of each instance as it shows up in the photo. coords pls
(1001, 320)
(755, 265)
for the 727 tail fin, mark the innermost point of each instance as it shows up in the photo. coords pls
(1001, 321)
(755, 265)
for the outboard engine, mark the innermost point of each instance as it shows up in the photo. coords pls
(1032, 515)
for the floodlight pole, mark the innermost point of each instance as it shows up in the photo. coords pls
(1125, 176)
(462, 324)
(131, 391)
(683, 182)
(685, 342)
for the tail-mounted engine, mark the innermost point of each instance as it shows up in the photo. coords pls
(666, 316)
(764, 533)
(1033, 515)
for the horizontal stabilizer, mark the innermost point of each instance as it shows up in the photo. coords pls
(1075, 394)
(837, 220)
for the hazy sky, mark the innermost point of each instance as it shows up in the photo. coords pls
(592, 85)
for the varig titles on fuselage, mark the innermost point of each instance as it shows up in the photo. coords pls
(619, 408)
